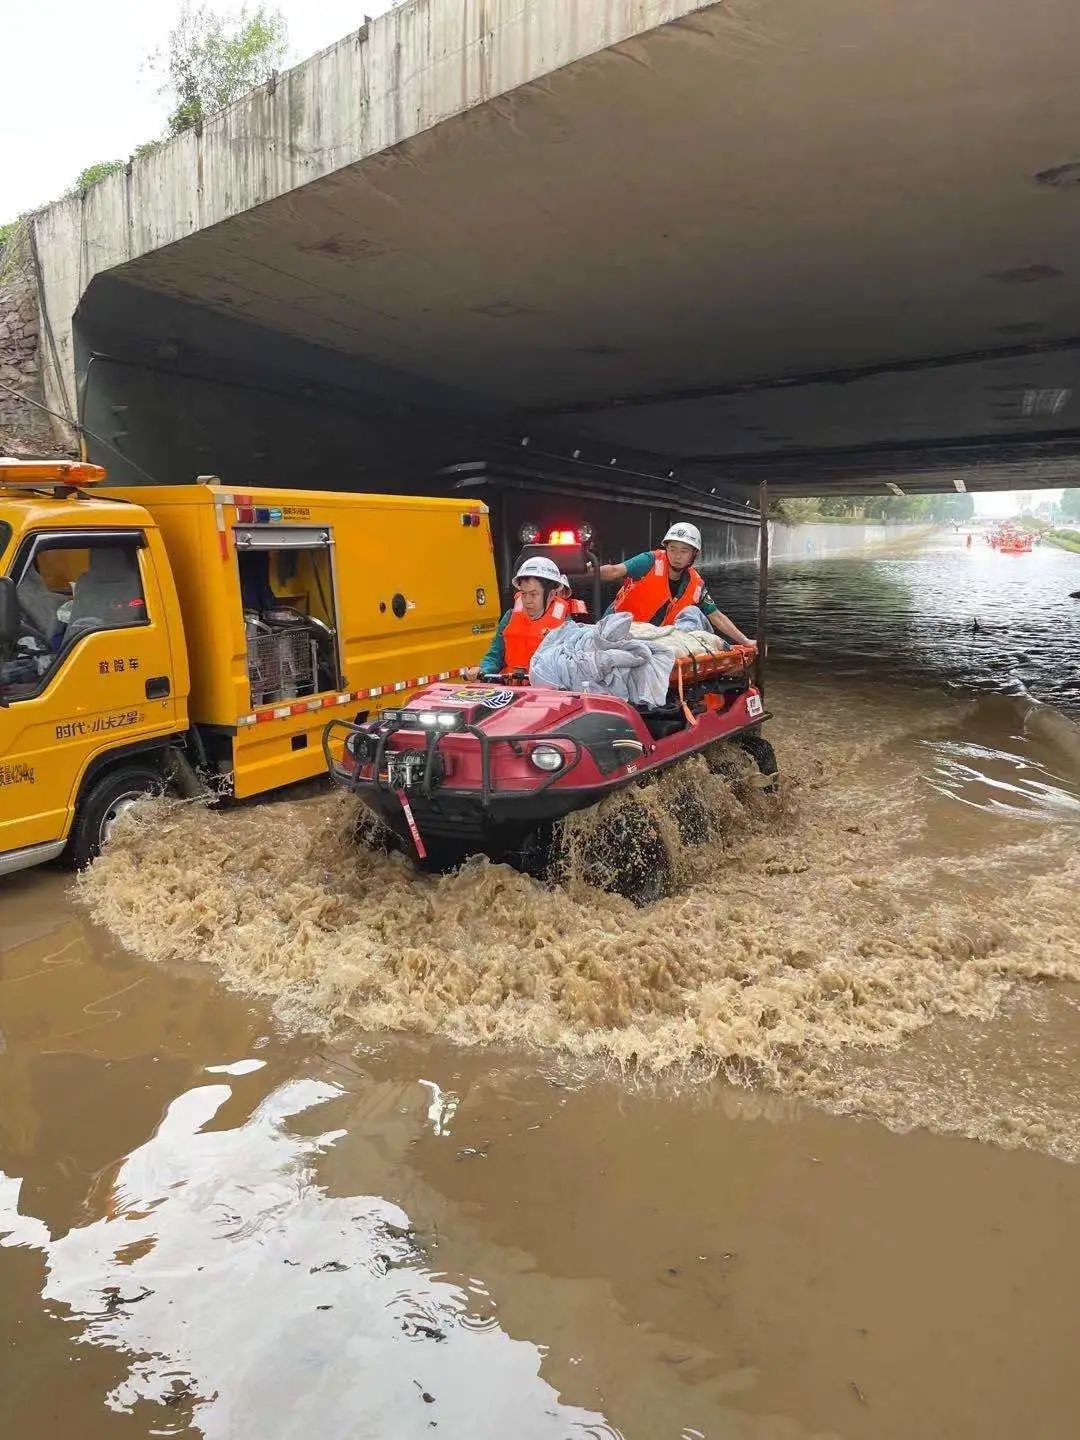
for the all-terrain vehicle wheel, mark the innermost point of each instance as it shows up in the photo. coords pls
(686, 805)
(102, 805)
(628, 857)
(718, 759)
(762, 754)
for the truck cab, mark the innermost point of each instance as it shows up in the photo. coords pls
(93, 670)
(191, 635)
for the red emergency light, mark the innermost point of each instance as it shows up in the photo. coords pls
(563, 537)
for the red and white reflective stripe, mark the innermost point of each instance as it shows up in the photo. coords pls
(410, 820)
(329, 702)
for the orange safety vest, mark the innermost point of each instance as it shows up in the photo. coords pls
(646, 597)
(522, 636)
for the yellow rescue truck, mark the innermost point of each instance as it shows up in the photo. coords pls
(192, 635)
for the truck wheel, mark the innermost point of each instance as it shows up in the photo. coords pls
(104, 801)
(762, 754)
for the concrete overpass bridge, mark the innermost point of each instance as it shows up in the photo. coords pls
(676, 247)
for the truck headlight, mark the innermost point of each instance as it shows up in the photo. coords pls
(528, 534)
(546, 757)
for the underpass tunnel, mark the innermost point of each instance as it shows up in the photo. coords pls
(635, 289)
(169, 391)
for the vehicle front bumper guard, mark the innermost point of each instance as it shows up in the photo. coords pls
(383, 731)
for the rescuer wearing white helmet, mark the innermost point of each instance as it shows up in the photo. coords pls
(660, 584)
(539, 607)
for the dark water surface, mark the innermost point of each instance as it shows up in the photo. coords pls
(936, 613)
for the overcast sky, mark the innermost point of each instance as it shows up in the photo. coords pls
(76, 89)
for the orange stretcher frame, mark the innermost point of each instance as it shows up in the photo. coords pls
(692, 669)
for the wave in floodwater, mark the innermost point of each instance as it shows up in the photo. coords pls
(841, 917)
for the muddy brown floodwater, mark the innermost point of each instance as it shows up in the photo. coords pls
(293, 1141)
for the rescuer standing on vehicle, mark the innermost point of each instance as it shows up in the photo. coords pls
(539, 607)
(660, 584)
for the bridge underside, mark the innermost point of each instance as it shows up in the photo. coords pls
(830, 246)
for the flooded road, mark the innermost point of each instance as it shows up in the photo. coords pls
(791, 1154)
(933, 612)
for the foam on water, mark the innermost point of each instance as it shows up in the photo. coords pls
(831, 920)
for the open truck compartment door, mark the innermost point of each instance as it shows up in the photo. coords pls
(288, 588)
(302, 606)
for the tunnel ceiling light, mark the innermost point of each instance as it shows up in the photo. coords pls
(894, 488)
(959, 486)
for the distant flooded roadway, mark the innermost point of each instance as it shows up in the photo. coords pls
(294, 1142)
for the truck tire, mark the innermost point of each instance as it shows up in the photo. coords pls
(103, 802)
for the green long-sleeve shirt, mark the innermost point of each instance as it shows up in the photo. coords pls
(494, 662)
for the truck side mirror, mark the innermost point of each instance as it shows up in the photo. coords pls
(9, 616)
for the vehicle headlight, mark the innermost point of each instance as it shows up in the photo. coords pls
(428, 718)
(546, 757)
(585, 533)
(528, 534)
(447, 719)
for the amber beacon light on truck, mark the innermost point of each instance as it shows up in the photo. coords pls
(65, 474)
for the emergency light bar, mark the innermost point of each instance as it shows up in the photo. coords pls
(49, 472)
(532, 535)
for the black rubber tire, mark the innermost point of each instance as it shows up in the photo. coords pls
(644, 874)
(762, 754)
(688, 809)
(719, 764)
(98, 805)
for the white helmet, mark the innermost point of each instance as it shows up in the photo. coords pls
(539, 568)
(685, 534)
(564, 584)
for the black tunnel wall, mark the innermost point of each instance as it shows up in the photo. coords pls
(176, 391)
(169, 391)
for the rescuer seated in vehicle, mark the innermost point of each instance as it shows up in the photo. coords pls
(660, 584)
(40, 632)
(39, 606)
(539, 607)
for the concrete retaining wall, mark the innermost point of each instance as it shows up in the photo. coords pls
(818, 540)
(22, 427)
(419, 64)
